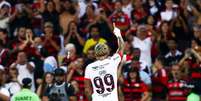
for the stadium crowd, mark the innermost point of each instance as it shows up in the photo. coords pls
(161, 60)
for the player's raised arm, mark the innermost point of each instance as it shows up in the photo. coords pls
(120, 40)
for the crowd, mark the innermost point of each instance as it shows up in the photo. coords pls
(45, 46)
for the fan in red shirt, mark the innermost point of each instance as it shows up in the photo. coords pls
(121, 19)
(177, 90)
(159, 80)
(133, 88)
(76, 77)
(139, 13)
(51, 41)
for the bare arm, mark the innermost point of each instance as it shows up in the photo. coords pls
(57, 5)
(30, 67)
(70, 74)
(196, 54)
(4, 97)
(72, 98)
(80, 39)
(145, 96)
(45, 98)
(39, 90)
(120, 40)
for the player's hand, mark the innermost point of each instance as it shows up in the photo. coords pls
(116, 31)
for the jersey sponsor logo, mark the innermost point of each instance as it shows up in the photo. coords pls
(95, 68)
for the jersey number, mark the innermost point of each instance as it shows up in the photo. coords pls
(99, 83)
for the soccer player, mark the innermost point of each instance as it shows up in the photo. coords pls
(102, 74)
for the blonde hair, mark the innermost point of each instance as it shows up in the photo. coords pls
(101, 49)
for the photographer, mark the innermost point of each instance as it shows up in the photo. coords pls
(61, 90)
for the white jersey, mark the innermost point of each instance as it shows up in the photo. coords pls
(103, 76)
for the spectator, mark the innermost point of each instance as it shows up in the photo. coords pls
(159, 80)
(133, 88)
(197, 34)
(135, 63)
(139, 13)
(90, 56)
(51, 41)
(50, 12)
(153, 7)
(87, 18)
(107, 5)
(71, 54)
(4, 38)
(26, 93)
(95, 38)
(4, 55)
(127, 7)
(23, 17)
(164, 34)
(169, 13)
(12, 84)
(121, 19)
(104, 23)
(26, 45)
(144, 43)
(46, 84)
(61, 90)
(179, 27)
(176, 86)
(76, 77)
(67, 15)
(19, 40)
(24, 67)
(6, 17)
(39, 47)
(174, 55)
(75, 36)
(4, 93)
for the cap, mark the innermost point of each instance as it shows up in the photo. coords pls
(48, 24)
(26, 82)
(59, 72)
